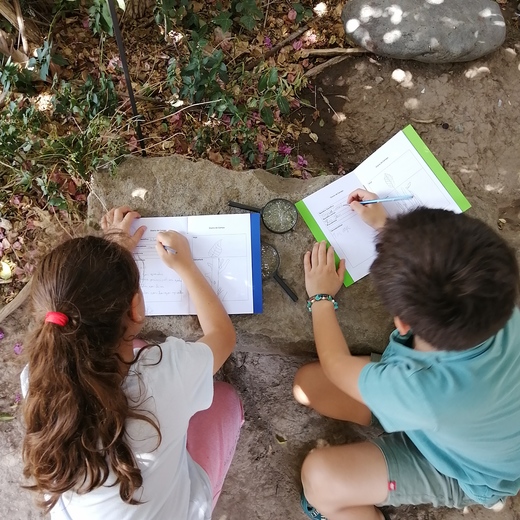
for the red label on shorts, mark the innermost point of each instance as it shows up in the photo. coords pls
(392, 486)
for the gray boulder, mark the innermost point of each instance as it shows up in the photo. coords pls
(177, 186)
(432, 31)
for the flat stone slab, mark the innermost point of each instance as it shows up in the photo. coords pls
(174, 186)
(433, 31)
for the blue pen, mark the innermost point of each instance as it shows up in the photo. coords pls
(389, 199)
(170, 249)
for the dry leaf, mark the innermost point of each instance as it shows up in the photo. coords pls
(314, 137)
(5, 271)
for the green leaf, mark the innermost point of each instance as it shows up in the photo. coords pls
(267, 116)
(58, 59)
(223, 20)
(262, 83)
(235, 161)
(283, 104)
(58, 202)
(6, 416)
(44, 71)
(248, 22)
(273, 77)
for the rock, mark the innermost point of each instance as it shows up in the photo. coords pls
(177, 186)
(432, 31)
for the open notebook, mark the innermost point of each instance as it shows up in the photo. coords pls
(402, 166)
(226, 248)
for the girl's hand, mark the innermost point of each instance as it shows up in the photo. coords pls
(116, 225)
(321, 276)
(372, 214)
(181, 260)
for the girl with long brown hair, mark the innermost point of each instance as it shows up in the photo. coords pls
(115, 428)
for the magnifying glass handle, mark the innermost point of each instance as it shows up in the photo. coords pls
(285, 287)
(243, 206)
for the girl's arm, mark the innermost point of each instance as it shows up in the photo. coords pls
(321, 277)
(218, 331)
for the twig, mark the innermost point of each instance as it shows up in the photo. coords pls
(266, 12)
(21, 25)
(182, 110)
(17, 302)
(327, 101)
(7, 11)
(336, 51)
(277, 47)
(423, 121)
(320, 68)
(145, 99)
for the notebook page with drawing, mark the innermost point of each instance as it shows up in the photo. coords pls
(402, 166)
(226, 249)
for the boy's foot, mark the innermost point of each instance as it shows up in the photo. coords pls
(310, 511)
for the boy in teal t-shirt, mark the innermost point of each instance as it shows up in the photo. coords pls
(447, 388)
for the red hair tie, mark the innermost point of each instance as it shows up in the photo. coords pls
(58, 318)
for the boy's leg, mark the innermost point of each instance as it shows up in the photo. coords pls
(213, 435)
(342, 482)
(312, 388)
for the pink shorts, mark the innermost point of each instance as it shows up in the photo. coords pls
(213, 435)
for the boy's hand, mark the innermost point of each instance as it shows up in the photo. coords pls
(321, 276)
(179, 261)
(372, 214)
(116, 225)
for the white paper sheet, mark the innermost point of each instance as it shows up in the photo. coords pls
(221, 248)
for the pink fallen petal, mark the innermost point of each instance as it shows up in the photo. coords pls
(292, 14)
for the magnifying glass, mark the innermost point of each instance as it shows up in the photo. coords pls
(278, 215)
(270, 265)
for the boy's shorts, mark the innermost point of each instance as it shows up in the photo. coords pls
(413, 480)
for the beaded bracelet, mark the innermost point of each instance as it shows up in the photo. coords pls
(318, 297)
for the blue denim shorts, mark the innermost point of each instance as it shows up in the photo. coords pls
(413, 480)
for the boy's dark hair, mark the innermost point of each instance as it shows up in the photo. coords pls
(449, 276)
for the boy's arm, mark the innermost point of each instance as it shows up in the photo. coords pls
(218, 331)
(321, 277)
(338, 364)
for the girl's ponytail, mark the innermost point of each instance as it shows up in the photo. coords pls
(75, 409)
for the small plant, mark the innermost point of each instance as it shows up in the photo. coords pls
(42, 61)
(247, 12)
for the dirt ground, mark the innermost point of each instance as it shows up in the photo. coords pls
(468, 115)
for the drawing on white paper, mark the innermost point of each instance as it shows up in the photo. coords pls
(407, 176)
(215, 266)
(225, 268)
(216, 249)
(403, 189)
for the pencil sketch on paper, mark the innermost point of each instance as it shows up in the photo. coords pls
(215, 266)
(404, 189)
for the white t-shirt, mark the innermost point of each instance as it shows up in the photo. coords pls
(174, 486)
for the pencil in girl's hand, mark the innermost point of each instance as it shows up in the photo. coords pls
(170, 249)
(389, 199)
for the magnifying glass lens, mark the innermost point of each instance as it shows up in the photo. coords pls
(270, 261)
(279, 215)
